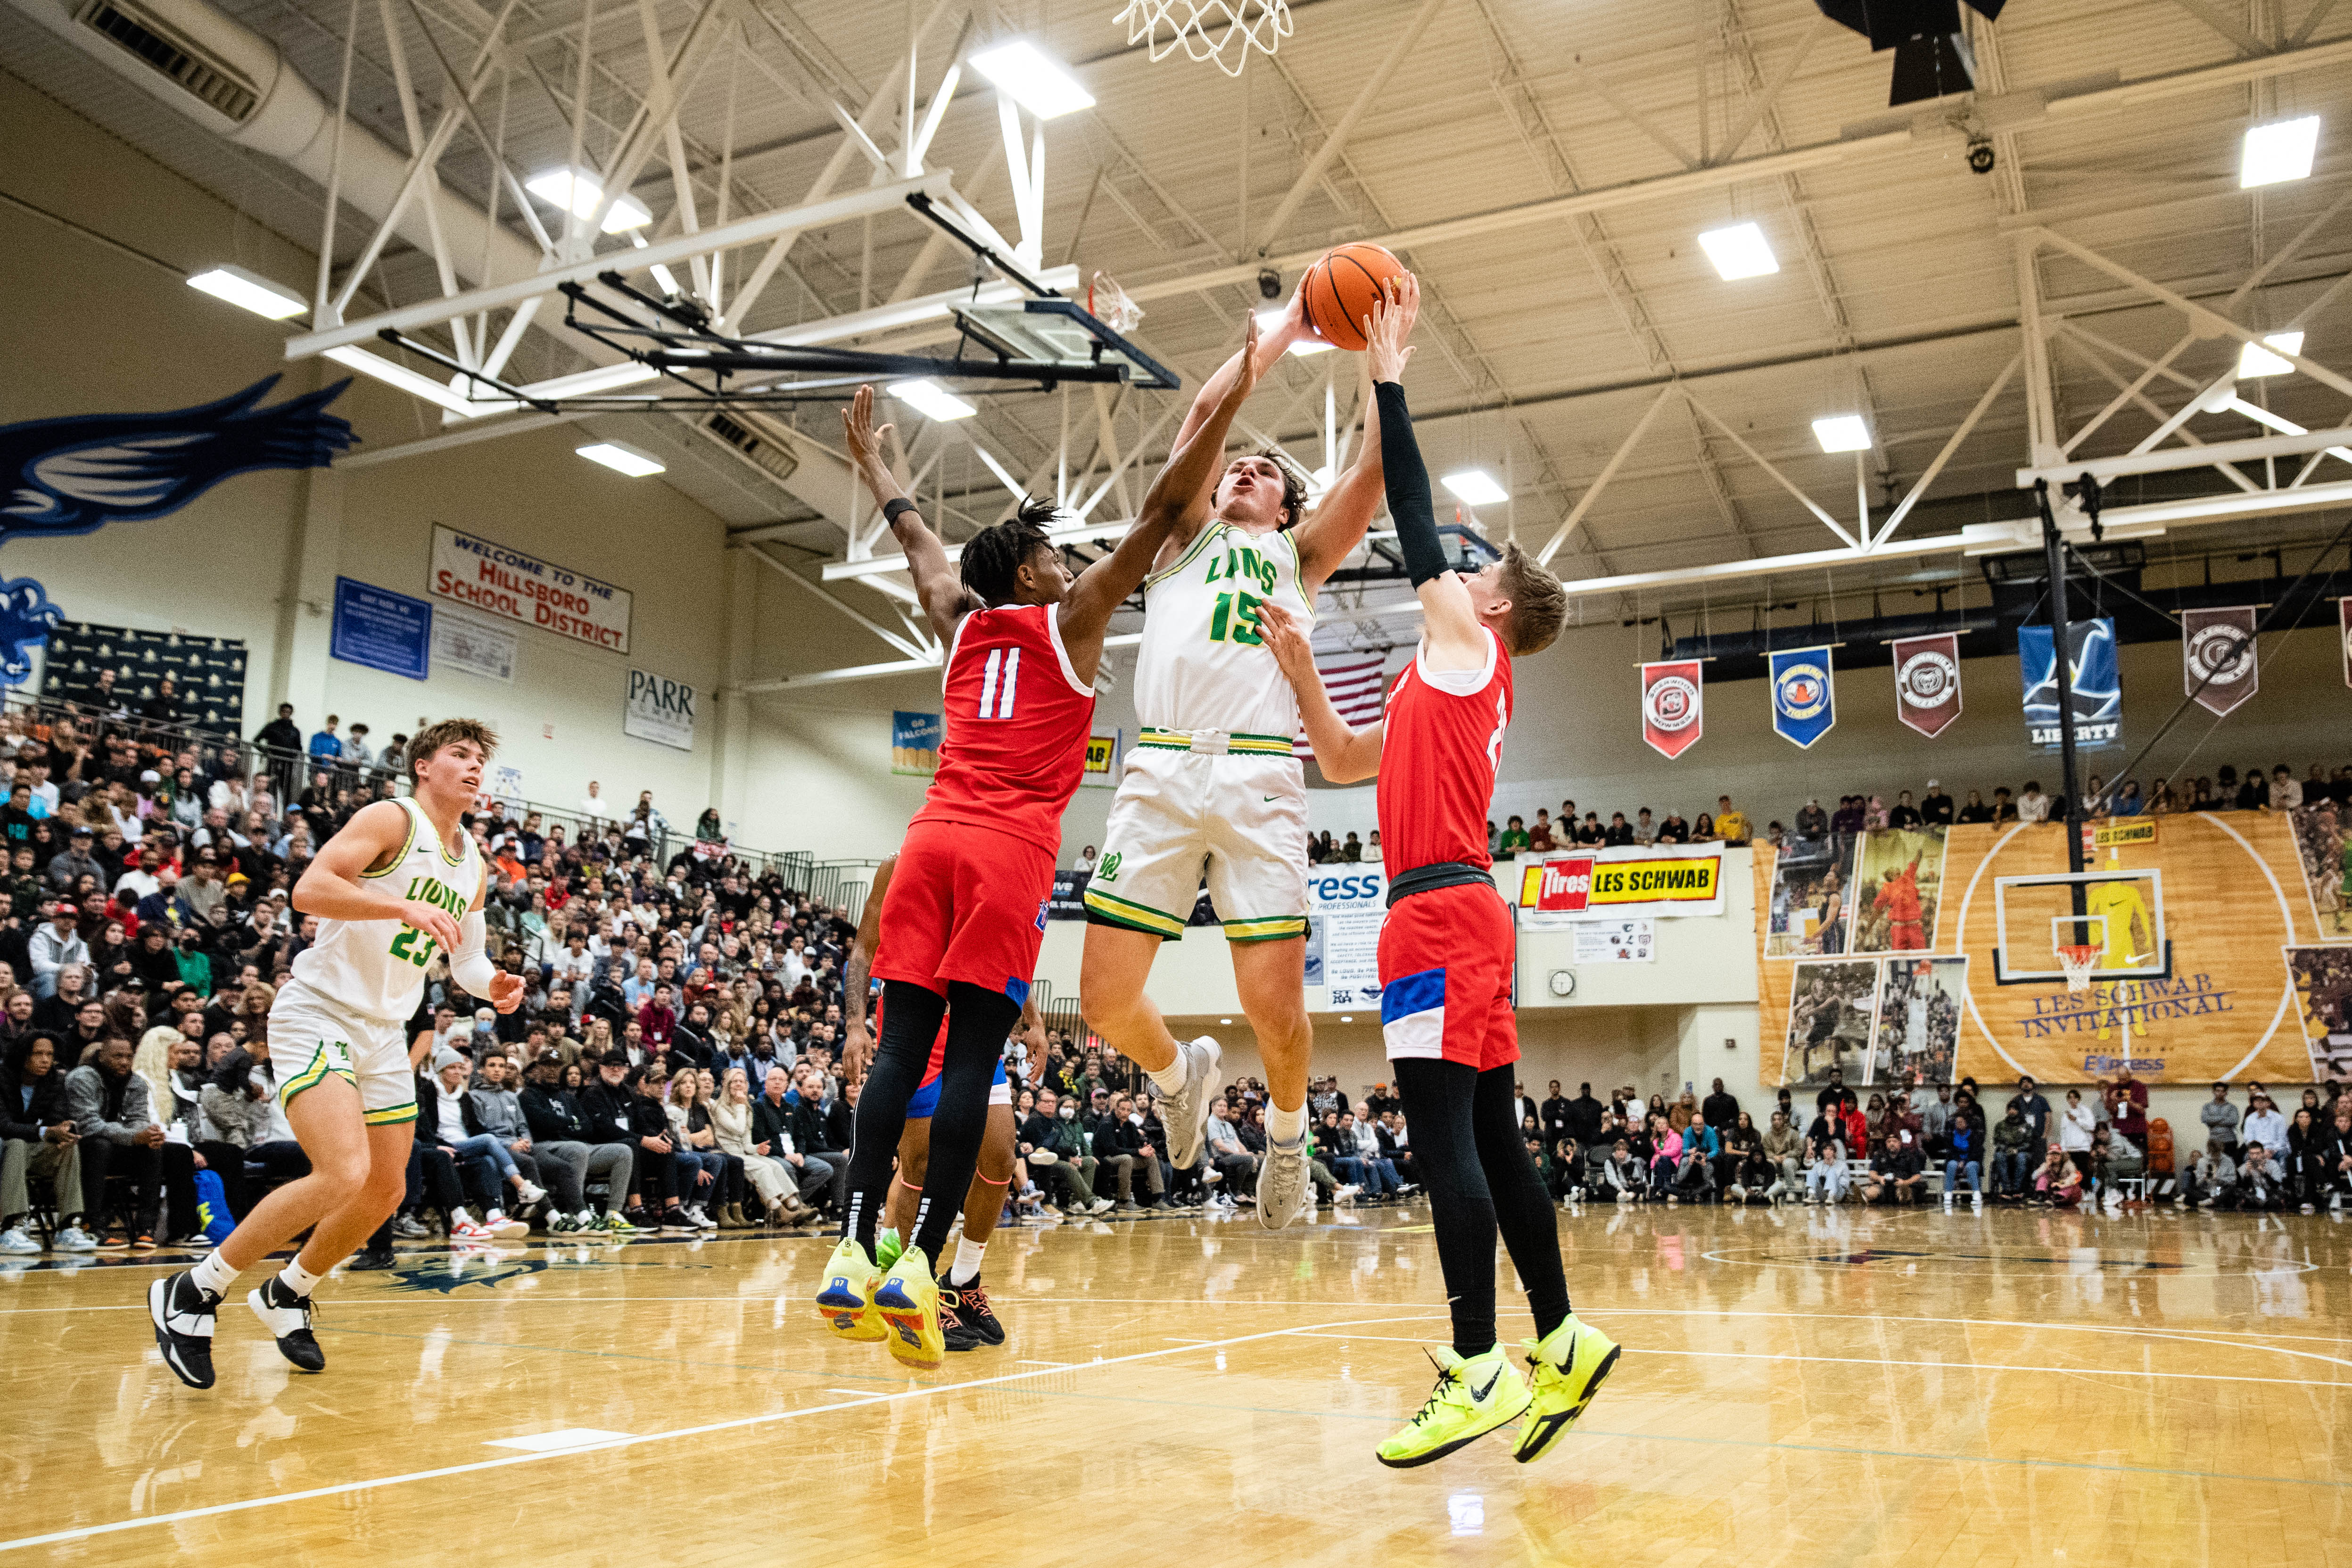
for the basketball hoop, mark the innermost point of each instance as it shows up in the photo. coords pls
(1108, 303)
(1244, 25)
(2076, 960)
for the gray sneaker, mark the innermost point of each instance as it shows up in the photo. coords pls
(1185, 1114)
(1283, 1186)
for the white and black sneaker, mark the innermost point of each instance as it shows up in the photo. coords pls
(288, 1317)
(1185, 1113)
(182, 1313)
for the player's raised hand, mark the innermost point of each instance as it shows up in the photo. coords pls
(858, 430)
(1390, 324)
(1287, 642)
(1247, 382)
(433, 921)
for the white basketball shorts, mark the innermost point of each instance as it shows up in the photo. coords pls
(1230, 807)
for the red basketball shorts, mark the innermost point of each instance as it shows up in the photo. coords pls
(1446, 978)
(966, 903)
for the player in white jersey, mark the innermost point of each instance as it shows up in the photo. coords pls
(401, 882)
(1212, 787)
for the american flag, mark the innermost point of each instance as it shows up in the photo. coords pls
(1353, 678)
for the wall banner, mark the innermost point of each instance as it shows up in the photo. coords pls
(477, 647)
(1659, 880)
(1927, 681)
(207, 673)
(659, 709)
(1104, 755)
(2096, 682)
(487, 576)
(1804, 694)
(2217, 649)
(1345, 906)
(1672, 711)
(915, 742)
(381, 629)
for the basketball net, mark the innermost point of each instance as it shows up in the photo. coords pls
(2076, 960)
(1241, 25)
(1108, 303)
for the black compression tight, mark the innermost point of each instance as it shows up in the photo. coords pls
(1474, 1160)
(978, 1022)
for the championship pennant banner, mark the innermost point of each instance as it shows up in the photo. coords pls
(1672, 715)
(1804, 695)
(2092, 674)
(1657, 879)
(2217, 658)
(1927, 681)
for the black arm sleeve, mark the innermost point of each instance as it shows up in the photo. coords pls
(1407, 478)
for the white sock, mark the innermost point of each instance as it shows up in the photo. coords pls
(213, 1274)
(298, 1279)
(1171, 1079)
(1286, 1127)
(966, 1268)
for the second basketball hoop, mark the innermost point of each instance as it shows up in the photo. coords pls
(1225, 31)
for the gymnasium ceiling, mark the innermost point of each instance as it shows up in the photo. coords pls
(1547, 338)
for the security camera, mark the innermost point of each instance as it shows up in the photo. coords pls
(1269, 284)
(1980, 157)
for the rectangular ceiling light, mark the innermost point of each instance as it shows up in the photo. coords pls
(1035, 82)
(621, 459)
(932, 400)
(2279, 151)
(581, 193)
(401, 376)
(1304, 344)
(1842, 433)
(1739, 251)
(1475, 486)
(2254, 361)
(250, 291)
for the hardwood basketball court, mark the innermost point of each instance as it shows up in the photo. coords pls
(1800, 1387)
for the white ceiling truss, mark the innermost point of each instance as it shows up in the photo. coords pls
(2078, 310)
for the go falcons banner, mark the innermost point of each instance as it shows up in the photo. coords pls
(1804, 698)
(2217, 658)
(1672, 713)
(1927, 681)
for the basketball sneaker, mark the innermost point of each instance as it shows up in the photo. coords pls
(182, 1313)
(288, 1317)
(979, 1321)
(908, 1300)
(616, 1223)
(1472, 1398)
(1569, 1364)
(1284, 1183)
(887, 1247)
(1186, 1113)
(846, 1302)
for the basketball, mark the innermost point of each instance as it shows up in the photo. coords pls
(1342, 289)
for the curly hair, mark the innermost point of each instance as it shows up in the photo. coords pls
(992, 558)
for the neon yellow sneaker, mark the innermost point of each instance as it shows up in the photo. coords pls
(846, 1302)
(888, 1250)
(908, 1301)
(1472, 1398)
(1569, 1364)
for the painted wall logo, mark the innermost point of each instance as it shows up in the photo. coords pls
(26, 618)
(2131, 1004)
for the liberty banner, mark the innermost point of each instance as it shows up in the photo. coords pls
(1672, 716)
(1804, 695)
(1927, 681)
(2217, 658)
(2091, 671)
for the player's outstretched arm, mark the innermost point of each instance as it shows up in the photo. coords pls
(331, 888)
(1258, 355)
(1331, 533)
(1106, 585)
(938, 584)
(1343, 753)
(1451, 634)
(857, 1039)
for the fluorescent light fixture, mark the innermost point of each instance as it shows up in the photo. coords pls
(1739, 251)
(401, 376)
(2279, 151)
(2277, 422)
(2254, 361)
(1475, 486)
(1842, 433)
(1034, 81)
(620, 459)
(250, 291)
(581, 193)
(932, 400)
(1304, 344)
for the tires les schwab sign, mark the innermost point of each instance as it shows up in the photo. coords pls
(492, 580)
(1614, 884)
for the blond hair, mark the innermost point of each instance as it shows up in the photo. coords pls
(448, 733)
(1538, 604)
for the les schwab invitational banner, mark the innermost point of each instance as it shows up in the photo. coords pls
(2248, 899)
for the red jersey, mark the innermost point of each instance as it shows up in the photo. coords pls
(1442, 742)
(1016, 726)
